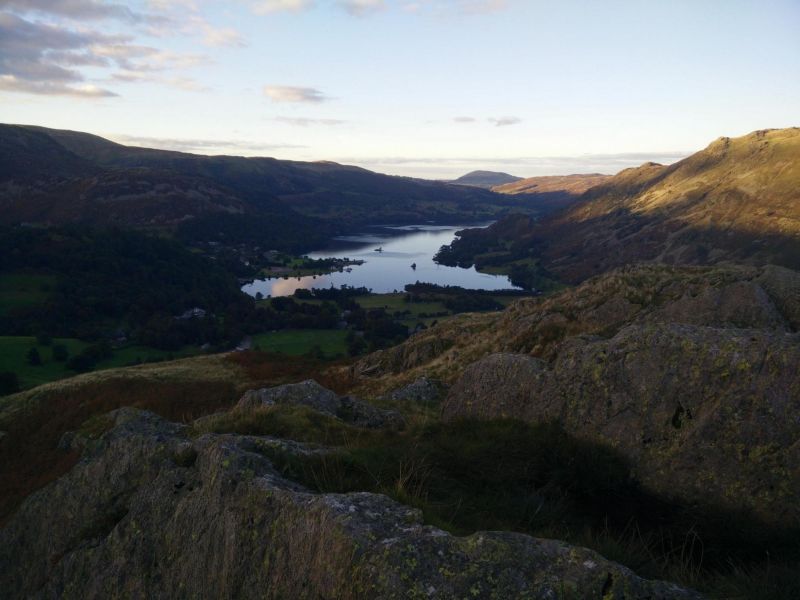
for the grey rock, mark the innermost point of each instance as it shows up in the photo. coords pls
(423, 391)
(306, 393)
(135, 519)
(362, 414)
(312, 394)
(703, 414)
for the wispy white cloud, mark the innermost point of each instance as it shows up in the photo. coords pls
(11, 83)
(361, 8)
(201, 146)
(287, 93)
(81, 10)
(523, 166)
(446, 8)
(212, 35)
(504, 121)
(476, 7)
(307, 122)
(263, 7)
(464, 119)
(46, 47)
(40, 58)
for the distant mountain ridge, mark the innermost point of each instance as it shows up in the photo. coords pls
(53, 176)
(574, 184)
(485, 179)
(738, 200)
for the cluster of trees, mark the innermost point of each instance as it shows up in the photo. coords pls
(369, 329)
(117, 279)
(458, 299)
(287, 232)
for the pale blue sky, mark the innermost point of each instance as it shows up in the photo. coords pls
(426, 88)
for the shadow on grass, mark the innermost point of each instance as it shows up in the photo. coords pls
(508, 475)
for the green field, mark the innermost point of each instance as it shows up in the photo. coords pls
(393, 303)
(18, 290)
(14, 350)
(296, 342)
(13, 357)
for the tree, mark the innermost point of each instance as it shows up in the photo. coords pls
(355, 344)
(34, 358)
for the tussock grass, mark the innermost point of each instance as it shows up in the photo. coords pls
(180, 390)
(508, 475)
(299, 423)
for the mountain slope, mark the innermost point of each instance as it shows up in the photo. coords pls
(572, 184)
(486, 179)
(738, 200)
(54, 176)
(689, 372)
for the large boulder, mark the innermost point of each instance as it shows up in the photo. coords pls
(423, 390)
(306, 393)
(704, 414)
(151, 513)
(311, 394)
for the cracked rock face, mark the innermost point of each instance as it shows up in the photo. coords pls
(151, 513)
(704, 414)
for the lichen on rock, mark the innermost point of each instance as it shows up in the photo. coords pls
(150, 513)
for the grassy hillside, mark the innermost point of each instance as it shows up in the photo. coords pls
(737, 201)
(55, 176)
(571, 184)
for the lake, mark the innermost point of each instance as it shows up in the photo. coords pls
(390, 269)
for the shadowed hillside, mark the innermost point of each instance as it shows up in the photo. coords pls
(737, 200)
(54, 177)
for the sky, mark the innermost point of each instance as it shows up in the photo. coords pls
(423, 88)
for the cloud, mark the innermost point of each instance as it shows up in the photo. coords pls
(49, 59)
(81, 10)
(464, 119)
(306, 122)
(272, 6)
(213, 36)
(11, 83)
(183, 83)
(201, 146)
(505, 121)
(477, 7)
(284, 93)
(527, 166)
(445, 8)
(41, 59)
(361, 8)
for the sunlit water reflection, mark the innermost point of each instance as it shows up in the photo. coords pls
(390, 269)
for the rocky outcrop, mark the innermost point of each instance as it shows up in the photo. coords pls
(417, 351)
(704, 414)
(311, 394)
(783, 286)
(151, 513)
(421, 391)
(306, 393)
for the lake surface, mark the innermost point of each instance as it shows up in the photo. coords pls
(390, 269)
